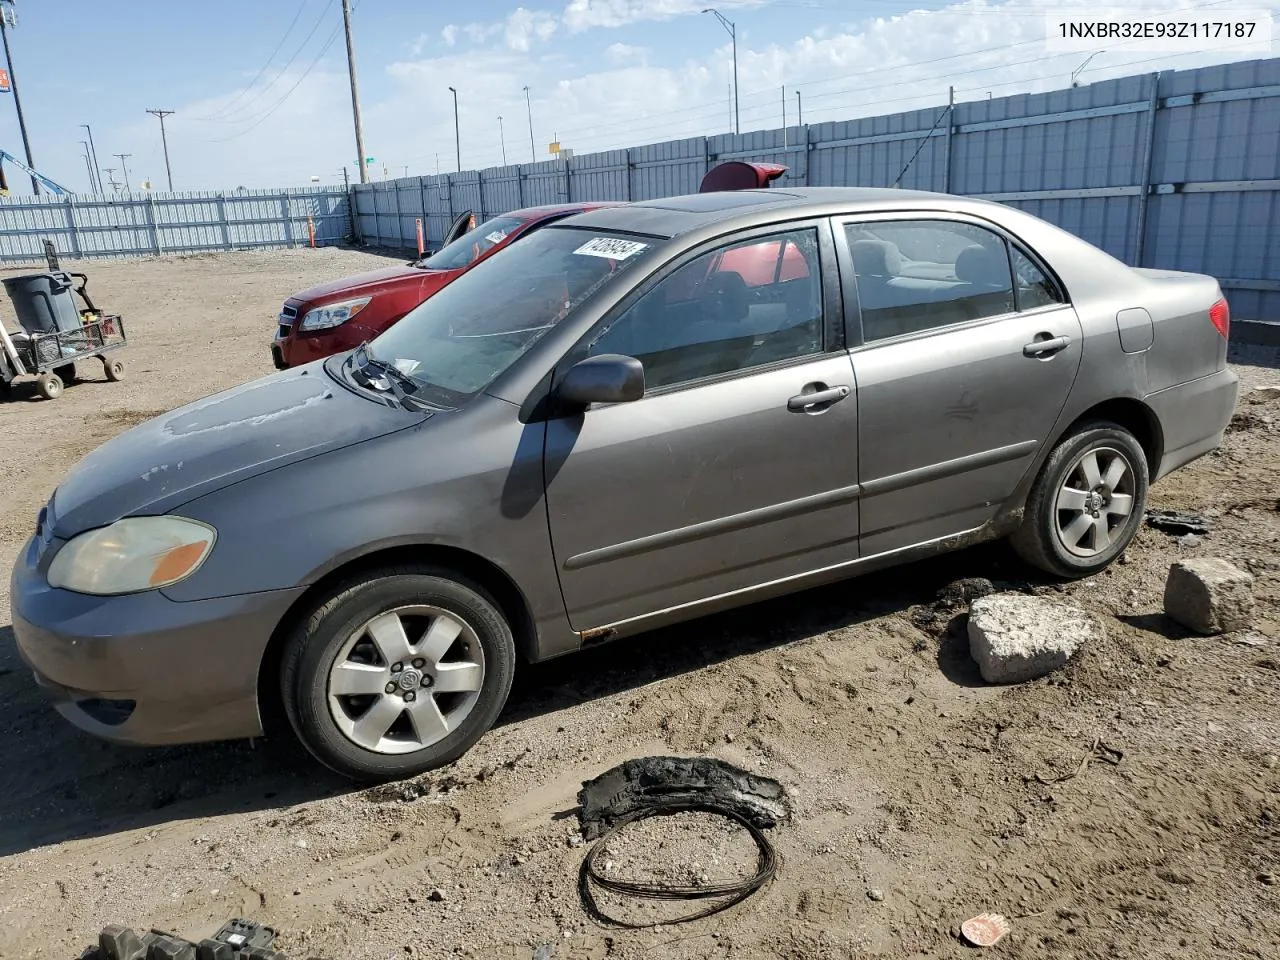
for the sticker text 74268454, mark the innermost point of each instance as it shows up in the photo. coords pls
(611, 248)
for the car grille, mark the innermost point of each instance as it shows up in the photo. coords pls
(283, 332)
(288, 312)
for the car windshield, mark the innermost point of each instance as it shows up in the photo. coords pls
(457, 342)
(468, 247)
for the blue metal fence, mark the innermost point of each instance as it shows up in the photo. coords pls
(90, 226)
(1179, 170)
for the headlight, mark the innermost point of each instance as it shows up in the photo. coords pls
(130, 555)
(333, 314)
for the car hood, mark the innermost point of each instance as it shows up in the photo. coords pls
(230, 436)
(362, 283)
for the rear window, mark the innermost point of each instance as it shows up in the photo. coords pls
(468, 247)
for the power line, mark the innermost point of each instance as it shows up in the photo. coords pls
(320, 56)
(282, 71)
(258, 76)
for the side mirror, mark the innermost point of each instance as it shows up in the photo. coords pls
(607, 378)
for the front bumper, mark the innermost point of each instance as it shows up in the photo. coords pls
(141, 668)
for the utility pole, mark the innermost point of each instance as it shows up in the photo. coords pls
(784, 116)
(799, 111)
(125, 167)
(503, 139)
(457, 141)
(93, 152)
(162, 114)
(111, 177)
(732, 28)
(533, 151)
(355, 94)
(8, 18)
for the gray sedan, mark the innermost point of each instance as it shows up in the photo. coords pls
(636, 416)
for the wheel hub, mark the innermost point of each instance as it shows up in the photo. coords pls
(409, 680)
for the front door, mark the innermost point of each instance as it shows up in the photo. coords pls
(968, 352)
(725, 475)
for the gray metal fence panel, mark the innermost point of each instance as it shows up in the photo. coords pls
(166, 223)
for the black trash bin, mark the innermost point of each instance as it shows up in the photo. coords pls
(44, 302)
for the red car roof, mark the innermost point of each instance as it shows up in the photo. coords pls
(560, 209)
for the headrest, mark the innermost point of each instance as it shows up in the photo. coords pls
(979, 264)
(876, 258)
(726, 295)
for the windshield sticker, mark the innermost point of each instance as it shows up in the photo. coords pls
(496, 237)
(610, 248)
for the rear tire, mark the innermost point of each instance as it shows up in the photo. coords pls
(49, 386)
(1087, 503)
(397, 672)
(114, 369)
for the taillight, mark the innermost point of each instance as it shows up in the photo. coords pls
(1220, 317)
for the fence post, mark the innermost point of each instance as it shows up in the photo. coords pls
(951, 125)
(154, 225)
(288, 218)
(71, 223)
(628, 175)
(520, 186)
(422, 204)
(568, 185)
(399, 218)
(1148, 156)
(223, 222)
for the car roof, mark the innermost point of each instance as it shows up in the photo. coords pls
(672, 216)
(560, 209)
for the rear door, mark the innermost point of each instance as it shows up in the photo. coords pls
(964, 350)
(724, 475)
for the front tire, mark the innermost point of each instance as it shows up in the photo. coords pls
(1087, 503)
(398, 672)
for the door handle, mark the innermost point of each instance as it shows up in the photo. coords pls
(1044, 346)
(804, 402)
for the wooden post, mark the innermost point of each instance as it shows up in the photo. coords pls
(421, 245)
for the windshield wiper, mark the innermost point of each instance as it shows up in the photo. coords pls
(400, 384)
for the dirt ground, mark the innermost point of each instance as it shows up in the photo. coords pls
(918, 790)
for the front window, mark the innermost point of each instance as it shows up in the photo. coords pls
(468, 247)
(460, 340)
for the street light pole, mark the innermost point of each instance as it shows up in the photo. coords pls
(733, 35)
(457, 139)
(163, 139)
(533, 151)
(88, 163)
(93, 153)
(8, 19)
(502, 137)
(799, 111)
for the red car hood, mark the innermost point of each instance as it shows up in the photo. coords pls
(361, 283)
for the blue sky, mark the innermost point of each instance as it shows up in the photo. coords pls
(261, 93)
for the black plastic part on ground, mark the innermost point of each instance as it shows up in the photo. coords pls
(728, 894)
(236, 940)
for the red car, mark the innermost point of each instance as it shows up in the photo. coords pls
(342, 314)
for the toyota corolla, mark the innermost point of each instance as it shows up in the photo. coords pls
(634, 416)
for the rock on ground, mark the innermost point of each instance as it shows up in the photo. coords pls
(1209, 595)
(1015, 637)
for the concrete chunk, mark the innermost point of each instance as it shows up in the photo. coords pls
(1014, 637)
(1209, 595)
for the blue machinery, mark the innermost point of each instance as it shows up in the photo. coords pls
(52, 186)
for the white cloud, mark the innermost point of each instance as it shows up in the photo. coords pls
(523, 25)
(625, 53)
(449, 35)
(582, 15)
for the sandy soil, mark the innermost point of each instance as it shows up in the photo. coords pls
(917, 788)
